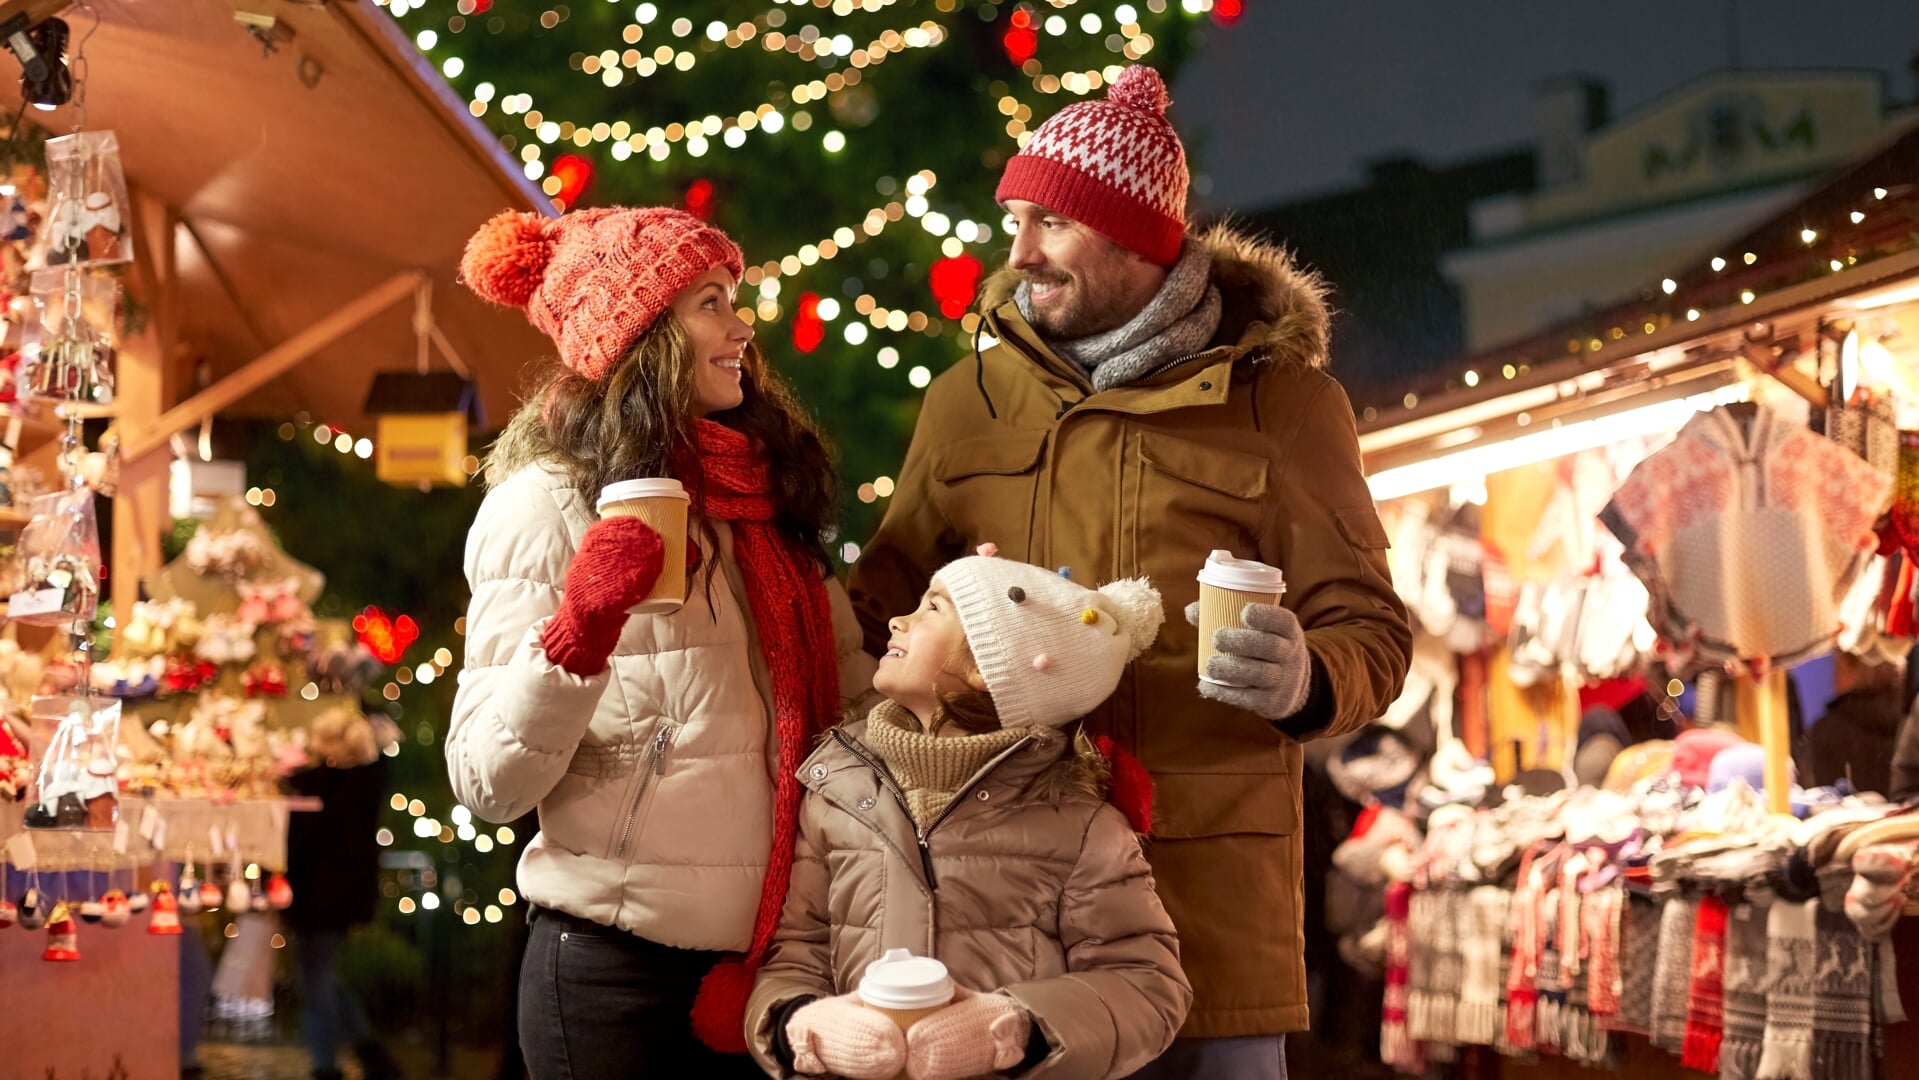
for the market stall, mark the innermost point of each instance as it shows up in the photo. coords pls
(1585, 833)
(262, 213)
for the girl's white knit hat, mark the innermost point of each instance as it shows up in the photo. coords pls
(1050, 650)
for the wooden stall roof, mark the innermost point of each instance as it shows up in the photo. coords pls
(304, 177)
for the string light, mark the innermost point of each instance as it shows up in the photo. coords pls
(657, 142)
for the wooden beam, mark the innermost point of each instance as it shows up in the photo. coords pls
(220, 278)
(35, 10)
(269, 365)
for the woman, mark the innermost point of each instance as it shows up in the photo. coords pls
(659, 749)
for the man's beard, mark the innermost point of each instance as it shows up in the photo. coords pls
(1091, 307)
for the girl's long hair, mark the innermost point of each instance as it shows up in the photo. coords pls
(638, 421)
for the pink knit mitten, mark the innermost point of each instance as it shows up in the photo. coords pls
(838, 1035)
(977, 1033)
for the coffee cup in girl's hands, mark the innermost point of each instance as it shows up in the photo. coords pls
(905, 988)
(661, 503)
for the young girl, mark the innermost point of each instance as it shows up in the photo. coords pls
(963, 820)
(659, 749)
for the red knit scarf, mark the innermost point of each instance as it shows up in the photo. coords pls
(786, 590)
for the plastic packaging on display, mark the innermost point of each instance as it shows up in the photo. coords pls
(77, 788)
(87, 222)
(59, 554)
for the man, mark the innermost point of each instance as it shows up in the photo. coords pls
(1154, 395)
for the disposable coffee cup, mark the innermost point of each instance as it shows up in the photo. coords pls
(1226, 586)
(905, 987)
(661, 503)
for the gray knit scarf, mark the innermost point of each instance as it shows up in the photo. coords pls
(1179, 321)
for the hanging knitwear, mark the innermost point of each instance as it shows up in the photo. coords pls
(1706, 990)
(1670, 973)
(1786, 1051)
(1479, 952)
(1638, 941)
(1522, 980)
(1602, 915)
(1396, 1046)
(1745, 993)
(1842, 1000)
(1549, 1024)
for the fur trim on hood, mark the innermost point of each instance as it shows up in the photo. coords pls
(1261, 286)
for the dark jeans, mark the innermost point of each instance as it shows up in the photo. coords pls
(329, 1017)
(598, 1003)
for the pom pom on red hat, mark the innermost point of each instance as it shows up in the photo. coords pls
(1140, 87)
(507, 259)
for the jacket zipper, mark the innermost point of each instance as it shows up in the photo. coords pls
(654, 767)
(923, 834)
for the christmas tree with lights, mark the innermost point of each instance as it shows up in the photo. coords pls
(850, 146)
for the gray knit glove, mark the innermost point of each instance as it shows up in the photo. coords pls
(1268, 663)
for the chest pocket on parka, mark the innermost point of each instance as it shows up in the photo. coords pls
(985, 488)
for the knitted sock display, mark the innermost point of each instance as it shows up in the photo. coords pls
(1706, 993)
(1670, 972)
(1745, 1024)
(1842, 1000)
(1479, 976)
(1786, 1051)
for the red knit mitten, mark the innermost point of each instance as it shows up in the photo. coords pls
(618, 562)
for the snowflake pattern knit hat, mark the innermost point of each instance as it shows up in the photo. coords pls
(1050, 650)
(1115, 166)
(594, 280)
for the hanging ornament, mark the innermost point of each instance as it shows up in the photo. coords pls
(32, 909)
(257, 896)
(138, 901)
(189, 898)
(63, 938)
(809, 330)
(1227, 12)
(239, 899)
(279, 892)
(8, 914)
(166, 912)
(955, 282)
(210, 896)
(92, 911)
(118, 909)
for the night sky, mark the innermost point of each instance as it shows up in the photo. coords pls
(1296, 97)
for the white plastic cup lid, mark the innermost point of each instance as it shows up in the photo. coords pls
(1223, 571)
(652, 487)
(900, 980)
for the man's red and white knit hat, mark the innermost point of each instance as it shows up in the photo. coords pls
(1115, 166)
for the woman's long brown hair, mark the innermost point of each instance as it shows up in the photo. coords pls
(638, 421)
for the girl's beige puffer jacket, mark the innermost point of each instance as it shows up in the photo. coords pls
(1030, 884)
